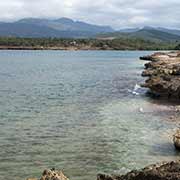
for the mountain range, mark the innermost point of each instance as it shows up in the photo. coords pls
(62, 28)
(68, 28)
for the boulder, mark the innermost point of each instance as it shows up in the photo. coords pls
(51, 175)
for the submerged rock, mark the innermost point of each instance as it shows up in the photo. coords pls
(163, 74)
(163, 171)
(51, 175)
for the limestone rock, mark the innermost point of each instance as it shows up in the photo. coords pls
(51, 175)
(163, 74)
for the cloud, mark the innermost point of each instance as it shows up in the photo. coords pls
(117, 13)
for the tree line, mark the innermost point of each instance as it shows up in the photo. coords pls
(111, 44)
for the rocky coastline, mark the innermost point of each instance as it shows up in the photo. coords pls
(162, 171)
(163, 80)
(163, 72)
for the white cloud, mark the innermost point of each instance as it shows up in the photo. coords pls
(117, 13)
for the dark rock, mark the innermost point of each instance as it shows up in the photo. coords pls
(149, 58)
(163, 171)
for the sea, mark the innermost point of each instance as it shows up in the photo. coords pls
(83, 112)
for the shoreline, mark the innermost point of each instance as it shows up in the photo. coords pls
(43, 48)
(70, 48)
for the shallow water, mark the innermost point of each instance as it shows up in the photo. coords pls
(77, 111)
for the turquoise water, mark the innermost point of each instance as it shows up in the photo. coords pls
(77, 111)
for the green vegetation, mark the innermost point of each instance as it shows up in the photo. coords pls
(146, 34)
(177, 47)
(135, 44)
(100, 44)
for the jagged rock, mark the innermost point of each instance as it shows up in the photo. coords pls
(51, 175)
(164, 74)
(163, 171)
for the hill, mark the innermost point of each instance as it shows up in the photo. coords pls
(62, 28)
(171, 31)
(146, 33)
(68, 28)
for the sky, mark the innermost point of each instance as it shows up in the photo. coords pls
(117, 13)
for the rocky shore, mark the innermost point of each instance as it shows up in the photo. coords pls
(163, 72)
(163, 171)
(163, 79)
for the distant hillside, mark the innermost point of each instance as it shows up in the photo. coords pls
(146, 33)
(61, 28)
(171, 31)
(68, 28)
(155, 35)
(129, 30)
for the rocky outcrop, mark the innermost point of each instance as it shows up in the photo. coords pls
(163, 171)
(176, 139)
(163, 72)
(51, 175)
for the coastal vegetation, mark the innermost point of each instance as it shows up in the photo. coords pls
(85, 44)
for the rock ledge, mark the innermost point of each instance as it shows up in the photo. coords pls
(163, 72)
(163, 79)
